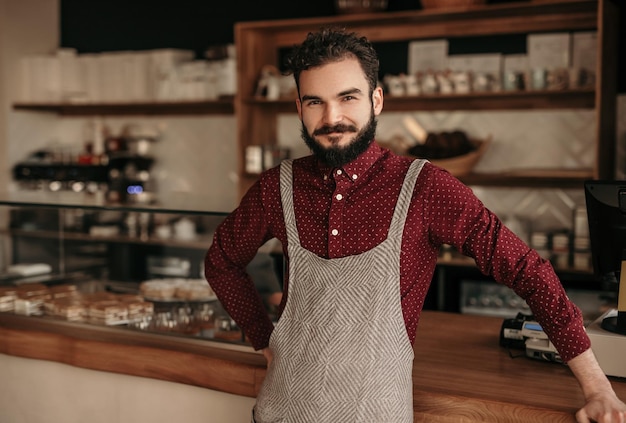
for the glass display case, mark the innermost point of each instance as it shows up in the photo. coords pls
(75, 259)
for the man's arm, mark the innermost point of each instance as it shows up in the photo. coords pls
(235, 243)
(602, 404)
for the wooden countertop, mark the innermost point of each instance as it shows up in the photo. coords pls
(460, 374)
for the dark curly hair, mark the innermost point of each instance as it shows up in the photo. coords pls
(332, 44)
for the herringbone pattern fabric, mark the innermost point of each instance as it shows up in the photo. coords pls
(341, 353)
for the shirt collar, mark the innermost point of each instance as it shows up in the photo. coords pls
(357, 167)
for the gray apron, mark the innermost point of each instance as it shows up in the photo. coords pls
(341, 351)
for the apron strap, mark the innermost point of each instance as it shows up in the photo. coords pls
(404, 200)
(286, 195)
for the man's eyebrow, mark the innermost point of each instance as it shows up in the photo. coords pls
(341, 94)
(310, 97)
(350, 91)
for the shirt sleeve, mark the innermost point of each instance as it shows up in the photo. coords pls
(460, 219)
(235, 243)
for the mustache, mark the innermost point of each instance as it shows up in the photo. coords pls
(327, 129)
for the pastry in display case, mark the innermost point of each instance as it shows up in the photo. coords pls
(76, 258)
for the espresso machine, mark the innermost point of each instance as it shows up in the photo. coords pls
(119, 166)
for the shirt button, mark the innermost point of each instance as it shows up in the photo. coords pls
(338, 196)
(354, 176)
(339, 172)
(334, 232)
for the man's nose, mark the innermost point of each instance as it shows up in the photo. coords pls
(332, 113)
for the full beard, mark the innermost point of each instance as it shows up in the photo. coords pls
(337, 156)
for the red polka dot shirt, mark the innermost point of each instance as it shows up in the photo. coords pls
(346, 211)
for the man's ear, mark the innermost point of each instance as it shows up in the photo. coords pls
(377, 100)
(299, 107)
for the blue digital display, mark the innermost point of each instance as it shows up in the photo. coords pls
(533, 326)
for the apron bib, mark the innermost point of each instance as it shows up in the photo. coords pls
(341, 352)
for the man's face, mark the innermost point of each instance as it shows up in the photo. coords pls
(337, 113)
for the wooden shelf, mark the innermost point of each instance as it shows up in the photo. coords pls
(491, 19)
(581, 276)
(221, 106)
(535, 178)
(531, 100)
(513, 100)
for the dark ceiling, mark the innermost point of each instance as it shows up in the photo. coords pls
(113, 25)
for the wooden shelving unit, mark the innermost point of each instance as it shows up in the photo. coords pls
(260, 43)
(221, 106)
(521, 100)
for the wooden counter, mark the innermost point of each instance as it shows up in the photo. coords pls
(460, 374)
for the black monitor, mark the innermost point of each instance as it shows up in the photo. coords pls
(606, 213)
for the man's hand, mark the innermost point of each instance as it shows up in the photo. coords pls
(602, 405)
(268, 355)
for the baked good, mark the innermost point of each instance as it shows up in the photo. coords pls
(159, 289)
(171, 289)
(63, 290)
(32, 290)
(29, 306)
(138, 309)
(68, 308)
(92, 297)
(128, 298)
(8, 294)
(194, 290)
(30, 298)
(108, 312)
(99, 307)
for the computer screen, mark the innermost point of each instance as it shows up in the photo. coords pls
(606, 213)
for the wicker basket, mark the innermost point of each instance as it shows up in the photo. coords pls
(462, 165)
(448, 4)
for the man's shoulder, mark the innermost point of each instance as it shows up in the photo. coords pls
(305, 161)
(299, 164)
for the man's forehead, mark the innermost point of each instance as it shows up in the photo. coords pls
(334, 77)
